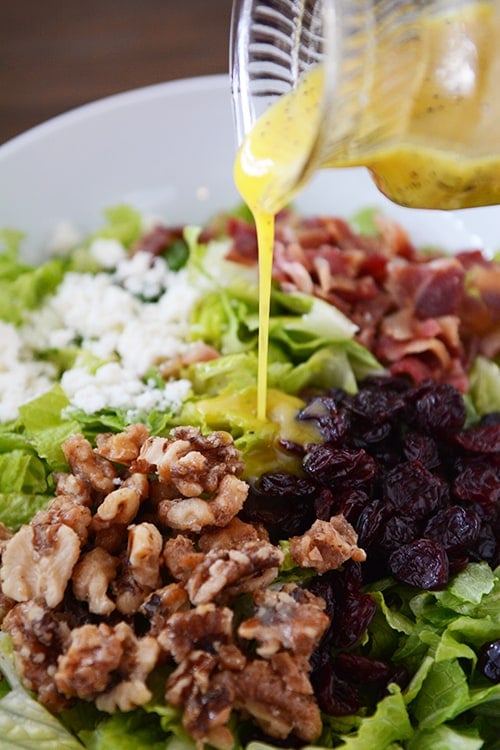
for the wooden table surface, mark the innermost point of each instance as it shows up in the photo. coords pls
(58, 54)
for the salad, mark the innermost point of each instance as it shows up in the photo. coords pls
(176, 572)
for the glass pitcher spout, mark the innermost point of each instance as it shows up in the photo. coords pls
(407, 89)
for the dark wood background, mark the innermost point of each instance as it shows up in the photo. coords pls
(58, 54)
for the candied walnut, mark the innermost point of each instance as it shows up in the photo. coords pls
(144, 550)
(279, 698)
(140, 656)
(151, 454)
(236, 534)
(163, 603)
(326, 545)
(206, 699)
(91, 578)
(5, 535)
(203, 626)
(66, 510)
(124, 447)
(254, 565)
(292, 619)
(38, 562)
(140, 573)
(180, 557)
(38, 637)
(120, 506)
(104, 660)
(193, 463)
(6, 604)
(116, 511)
(87, 666)
(88, 465)
(194, 513)
(74, 488)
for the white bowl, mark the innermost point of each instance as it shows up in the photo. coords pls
(169, 149)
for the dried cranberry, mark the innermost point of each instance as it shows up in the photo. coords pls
(457, 564)
(479, 482)
(377, 404)
(351, 620)
(437, 409)
(394, 383)
(326, 464)
(354, 610)
(399, 531)
(487, 545)
(369, 523)
(334, 695)
(325, 505)
(361, 669)
(492, 418)
(332, 422)
(349, 609)
(284, 503)
(455, 527)
(413, 489)
(480, 439)
(489, 660)
(400, 676)
(324, 587)
(423, 448)
(281, 484)
(351, 502)
(422, 563)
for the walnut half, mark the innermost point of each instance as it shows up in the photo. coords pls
(38, 563)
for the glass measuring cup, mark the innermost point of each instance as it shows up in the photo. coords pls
(408, 89)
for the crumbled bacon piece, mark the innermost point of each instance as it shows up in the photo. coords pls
(158, 239)
(371, 278)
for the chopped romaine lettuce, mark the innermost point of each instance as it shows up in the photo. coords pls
(484, 386)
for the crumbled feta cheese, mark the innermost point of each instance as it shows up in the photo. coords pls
(107, 252)
(144, 274)
(113, 386)
(21, 377)
(105, 318)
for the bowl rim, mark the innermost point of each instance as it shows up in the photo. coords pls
(80, 113)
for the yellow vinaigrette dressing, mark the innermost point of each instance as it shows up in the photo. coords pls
(428, 130)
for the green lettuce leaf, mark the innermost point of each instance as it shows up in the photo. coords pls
(389, 724)
(123, 223)
(46, 426)
(23, 287)
(445, 737)
(484, 385)
(122, 731)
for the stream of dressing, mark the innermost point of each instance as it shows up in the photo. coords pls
(440, 148)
